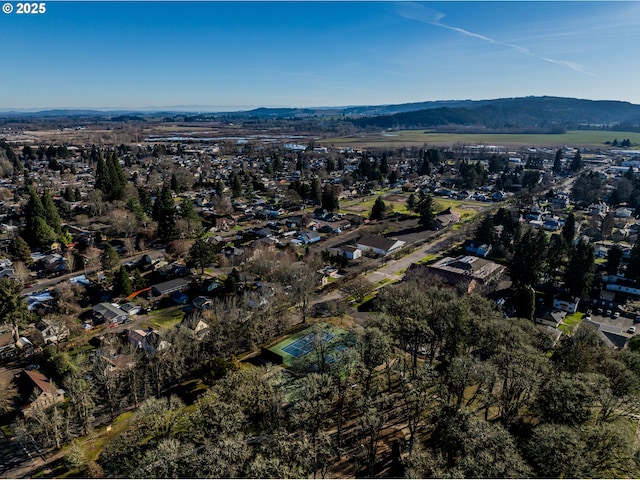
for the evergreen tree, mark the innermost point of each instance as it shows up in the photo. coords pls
(525, 302)
(486, 231)
(236, 185)
(51, 215)
(42, 233)
(633, 268)
(378, 209)
(384, 165)
(580, 272)
(174, 183)
(201, 254)
(145, 200)
(576, 163)
(139, 281)
(13, 309)
(118, 178)
(104, 182)
(557, 162)
(122, 282)
(189, 214)
(412, 204)
(425, 210)
(315, 193)
(569, 229)
(66, 238)
(330, 199)
(20, 250)
(110, 178)
(110, 258)
(529, 258)
(164, 213)
(614, 258)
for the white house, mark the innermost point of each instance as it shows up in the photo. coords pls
(379, 245)
(350, 252)
(566, 304)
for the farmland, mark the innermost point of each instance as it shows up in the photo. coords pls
(421, 137)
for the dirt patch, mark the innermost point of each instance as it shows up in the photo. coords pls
(395, 198)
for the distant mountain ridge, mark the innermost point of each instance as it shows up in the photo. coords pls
(545, 113)
(514, 114)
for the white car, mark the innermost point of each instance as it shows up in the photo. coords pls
(632, 330)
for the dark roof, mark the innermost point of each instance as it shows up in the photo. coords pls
(171, 286)
(375, 241)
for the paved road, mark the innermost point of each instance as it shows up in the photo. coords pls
(394, 269)
(51, 282)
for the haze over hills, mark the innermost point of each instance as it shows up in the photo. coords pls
(549, 114)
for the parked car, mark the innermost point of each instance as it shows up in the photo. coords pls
(632, 330)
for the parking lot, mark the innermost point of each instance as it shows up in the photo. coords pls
(619, 324)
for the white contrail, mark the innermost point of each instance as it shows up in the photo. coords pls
(420, 13)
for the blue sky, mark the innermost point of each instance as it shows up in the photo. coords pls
(245, 54)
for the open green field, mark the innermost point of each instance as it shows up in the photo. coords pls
(397, 202)
(420, 137)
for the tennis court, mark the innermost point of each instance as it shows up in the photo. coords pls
(300, 344)
(304, 345)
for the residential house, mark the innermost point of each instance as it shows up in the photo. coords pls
(169, 287)
(552, 224)
(153, 343)
(599, 208)
(560, 201)
(36, 391)
(623, 212)
(622, 285)
(47, 332)
(350, 252)
(25, 346)
(477, 248)
(566, 304)
(465, 271)
(130, 308)
(195, 326)
(109, 313)
(153, 258)
(7, 345)
(379, 245)
(310, 237)
(498, 196)
(202, 303)
(135, 337)
(552, 319)
(446, 218)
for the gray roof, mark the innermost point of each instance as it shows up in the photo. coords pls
(108, 311)
(171, 286)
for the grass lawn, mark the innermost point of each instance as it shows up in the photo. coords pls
(93, 445)
(571, 322)
(429, 259)
(166, 318)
